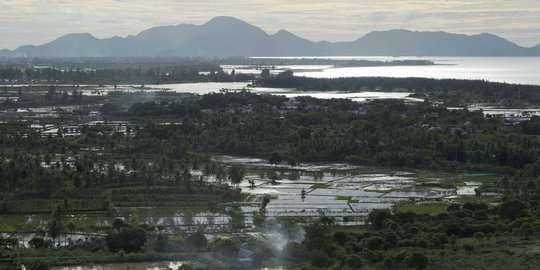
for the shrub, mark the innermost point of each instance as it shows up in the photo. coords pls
(479, 236)
(227, 247)
(38, 242)
(374, 243)
(438, 240)
(526, 229)
(468, 247)
(319, 258)
(354, 261)
(197, 241)
(129, 240)
(377, 217)
(37, 265)
(417, 260)
(512, 210)
(162, 242)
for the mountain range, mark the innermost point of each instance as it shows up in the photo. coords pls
(228, 36)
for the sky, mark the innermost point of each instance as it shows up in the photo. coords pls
(40, 21)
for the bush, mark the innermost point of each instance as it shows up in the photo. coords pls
(512, 210)
(129, 240)
(525, 229)
(295, 251)
(475, 206)
(38, 242)
(377, 217)
(417, 260)
(454, 207)
(479, 236)
(319, 258)
(390, 239)
(227, 247)
(374, 243)
(438, 240)
(162, 242)
(354, 261)
(468, 247)
(37, 265)
(197, 241)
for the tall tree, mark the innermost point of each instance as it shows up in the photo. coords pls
(236, 175)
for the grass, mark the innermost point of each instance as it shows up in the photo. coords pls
(379, 190)
(320, 185)
(424, 208)
(477, 199)
(82, 257)
(349, 199)
(422, 180)
(504, 252)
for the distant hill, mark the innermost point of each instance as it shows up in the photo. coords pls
(4, 53)
(228, 36)
(536, 49)
(404, 42)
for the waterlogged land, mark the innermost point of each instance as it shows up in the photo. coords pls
(280, 171)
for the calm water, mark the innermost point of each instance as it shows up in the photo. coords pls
(522, 70)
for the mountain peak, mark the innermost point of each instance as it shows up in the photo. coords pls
(284, 33)
(225, 20)
(490, 36)
(78, 35)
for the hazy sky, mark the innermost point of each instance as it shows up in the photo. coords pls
(41, 21)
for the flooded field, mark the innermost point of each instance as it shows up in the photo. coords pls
(346, 192)
(253, 69)
(309, 191)
(126, 266)
(354, 96)
(510, 115)
(205, 88)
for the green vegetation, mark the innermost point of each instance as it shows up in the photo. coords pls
(468, 236)
(153, 74)
(422, 208)
(322, 185)
(115, 158)
(450, 92)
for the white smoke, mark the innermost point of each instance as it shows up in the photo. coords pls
(278, 235)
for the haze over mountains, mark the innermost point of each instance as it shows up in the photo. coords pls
(228, 36)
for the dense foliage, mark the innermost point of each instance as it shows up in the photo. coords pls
(145, 148)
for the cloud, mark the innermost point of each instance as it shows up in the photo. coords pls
(40, 21)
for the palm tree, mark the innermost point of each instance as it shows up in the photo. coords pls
(55, 225)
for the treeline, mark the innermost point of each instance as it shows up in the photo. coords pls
(273, 62)
(208, 103)
(209, 73)
(417, 241)
(454, 92)
(380, 132)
